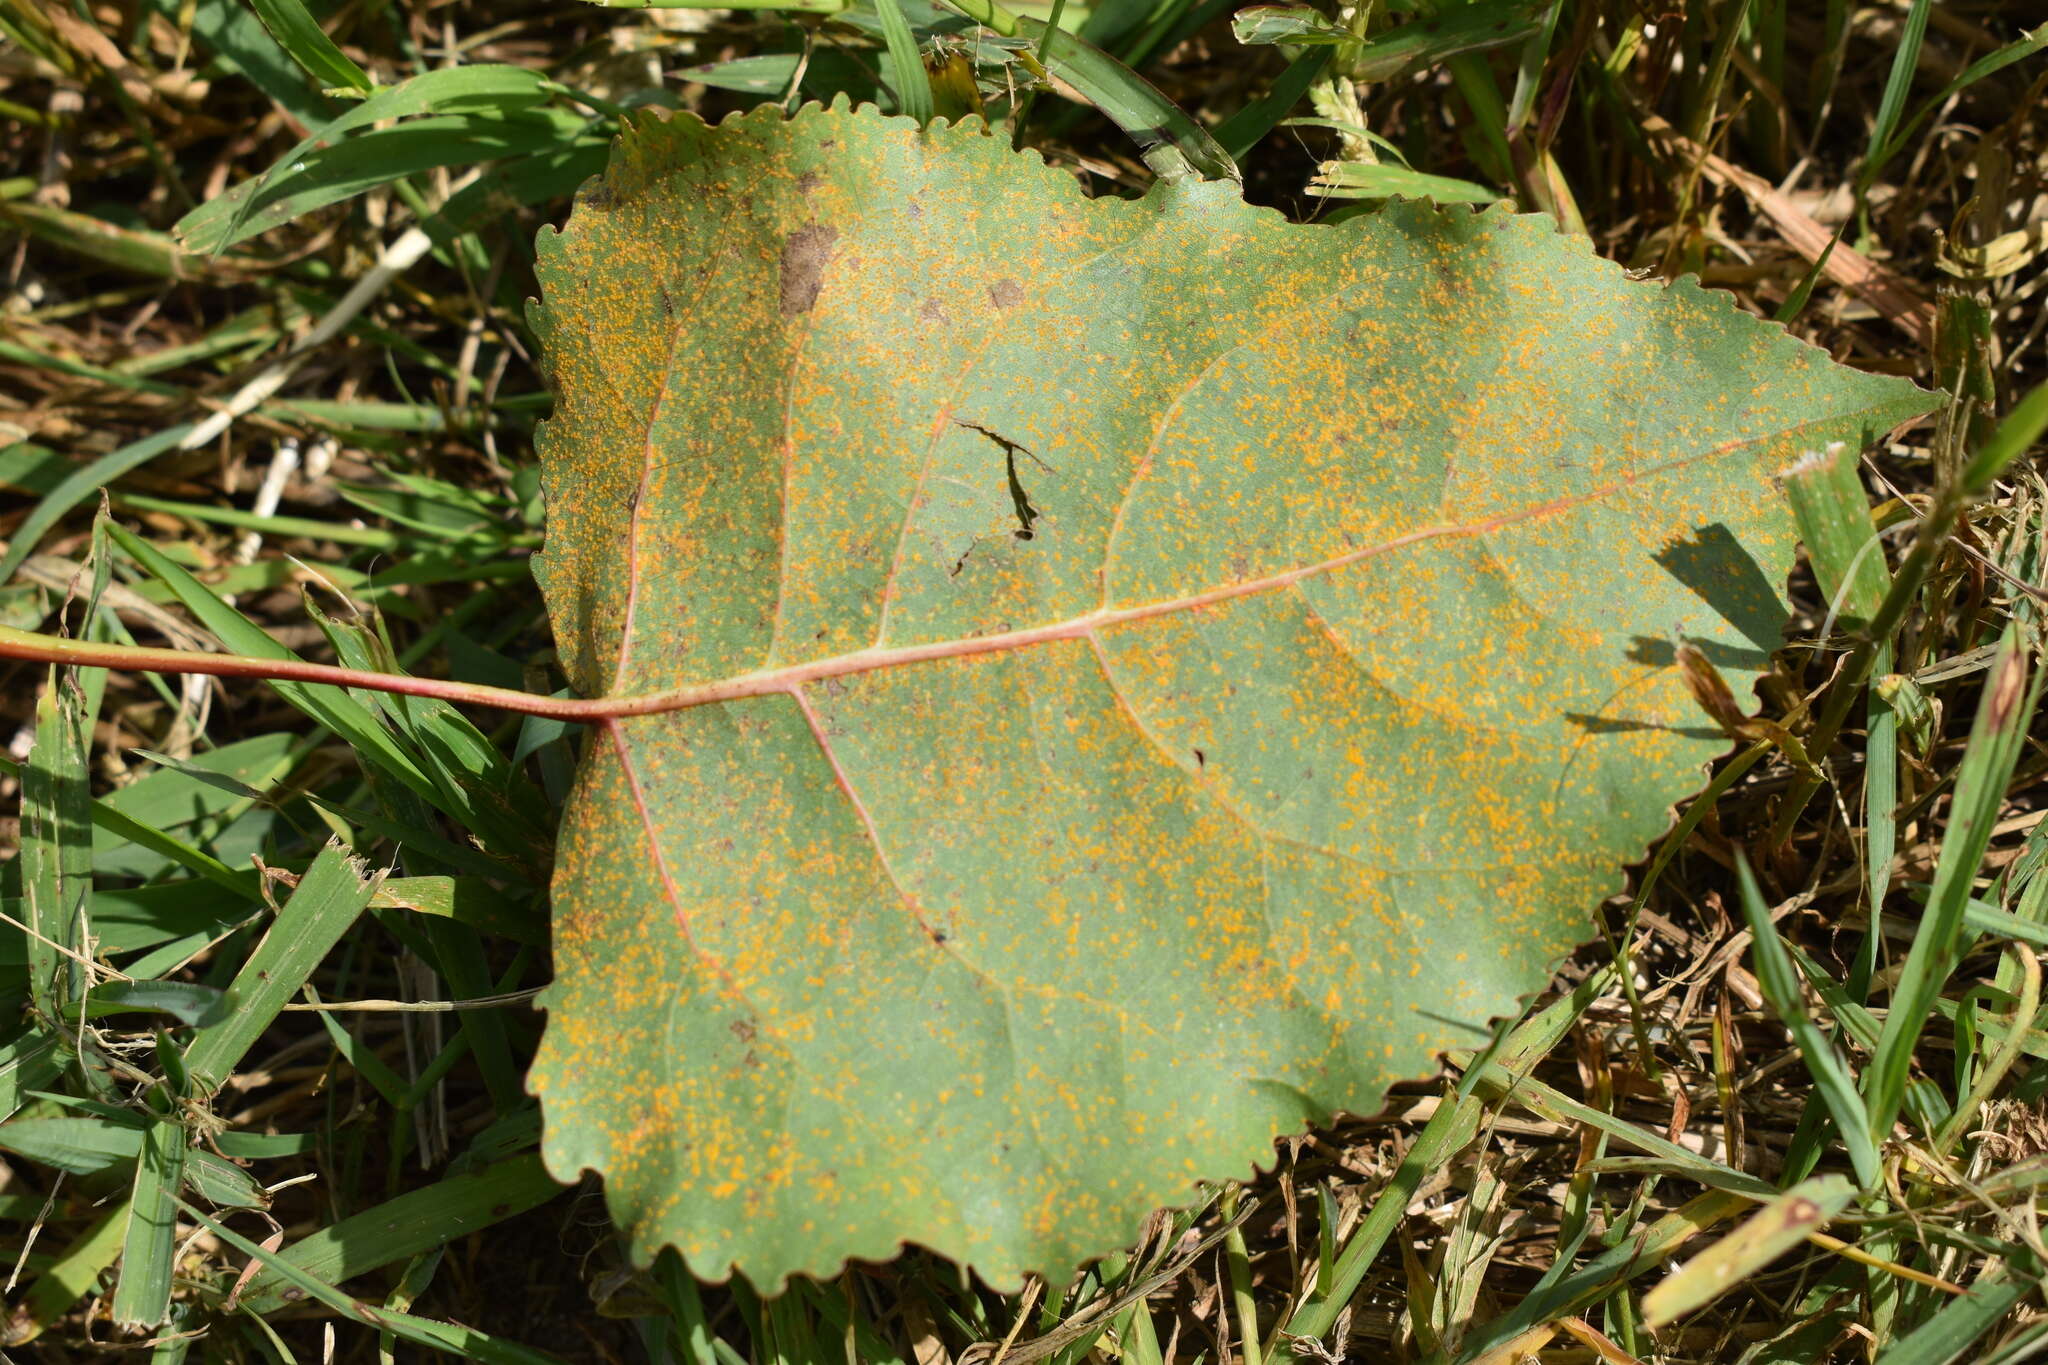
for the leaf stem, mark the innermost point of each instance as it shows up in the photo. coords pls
(51, 649)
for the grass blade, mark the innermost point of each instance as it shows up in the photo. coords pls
(1990, 63)
(189, 1002)
(1905, 61)
(241, 44)
(900, 59)
(1454, 1124)
(70, 1277)
(1239, 133)
(123, 826)
(414, 1222)
(2022, 427)
(81, 484)
(1763, 1237)
(1996, 738)
(301, 35)
(333, 707)
(328, 899)
(78, 1146)
(1172, 144)
(377, 156)
(1640, 1252)
(1358, 180)
(454, 1338)
(142, 1297)
(28, 1062)
(479, 91)
(1947, 1337)
(1831, 1075)
(56, 848)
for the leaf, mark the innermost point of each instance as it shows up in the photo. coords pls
(1099, 683)
(1301, 24)
(1764, 1236)
(372, 157)
(481, 93)
(1360, 180)
(300, 34)
(1411, 46)
(416, 1221)
(189, 1002)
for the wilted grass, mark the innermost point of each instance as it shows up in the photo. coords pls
(1790, 1108)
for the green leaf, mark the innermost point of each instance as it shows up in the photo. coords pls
(1298, 24)
(56, 847)
(189, 1002)
(1408, 47)
(78, 1146)
(1833, 1080)
(1764, 1236)
(241, 43)
(1099, 684)
(1949, 1335)
(482, 93)
(301, 35)
(1360, 180)
(905, 67)
(465, 1343)
(148, 1258)
(1170, 142)
(327, 900)
(416, 1221)
(371, 157)
(82, 483)
(84, 1146)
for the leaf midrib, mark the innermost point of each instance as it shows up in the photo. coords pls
(789, 677)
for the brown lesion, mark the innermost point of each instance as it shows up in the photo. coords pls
(804, 257)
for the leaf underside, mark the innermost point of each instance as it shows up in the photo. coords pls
(1185, 669)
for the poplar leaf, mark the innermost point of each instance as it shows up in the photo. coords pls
(1115, 680)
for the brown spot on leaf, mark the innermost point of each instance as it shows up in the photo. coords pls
(1006, 293)
(804, 258)
(931, 311)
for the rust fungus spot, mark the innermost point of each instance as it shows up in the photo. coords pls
(804, 258)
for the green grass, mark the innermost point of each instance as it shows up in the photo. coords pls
(1790, 1108)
